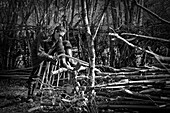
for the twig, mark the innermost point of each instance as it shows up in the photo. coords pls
(152, 13)
(148, 37)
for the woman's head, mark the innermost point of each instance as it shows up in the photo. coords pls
(58, 32)
(61, 31)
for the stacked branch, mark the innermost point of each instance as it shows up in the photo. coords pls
(147, 89)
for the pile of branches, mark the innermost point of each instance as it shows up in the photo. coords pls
(144, 88)
(130, 88)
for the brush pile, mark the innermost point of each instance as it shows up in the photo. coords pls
(134, 88)
(125, 89)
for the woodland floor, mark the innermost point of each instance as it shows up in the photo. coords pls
(13, 94)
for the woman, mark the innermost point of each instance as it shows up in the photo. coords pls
(43, 49)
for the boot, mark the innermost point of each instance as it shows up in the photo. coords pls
(31, 88)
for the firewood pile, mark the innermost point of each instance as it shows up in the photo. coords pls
(145, 88)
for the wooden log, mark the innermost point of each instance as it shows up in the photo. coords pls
(135, 82)
(129, 102)
(15, 73)
(25, 77)
(156, 92)
(141, 71)
(133, 77)
(124, 98)
(148, 97)
(142, 107)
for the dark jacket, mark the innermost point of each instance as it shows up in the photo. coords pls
(42, 49)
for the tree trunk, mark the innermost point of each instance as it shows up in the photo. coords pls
(141, 13)
(114, 50)
(72, 12)
(90, 42)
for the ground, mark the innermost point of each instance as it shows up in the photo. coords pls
(13, 93)
(13, 96)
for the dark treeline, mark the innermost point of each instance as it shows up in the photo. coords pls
(87, 22)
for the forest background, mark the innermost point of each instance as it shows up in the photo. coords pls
(145, 23)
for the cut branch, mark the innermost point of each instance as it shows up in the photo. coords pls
(147, 37)
(138, 82)
(132, 45)
(152, 13)
(158, 57)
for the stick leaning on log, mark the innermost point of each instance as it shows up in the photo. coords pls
(158, 57)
